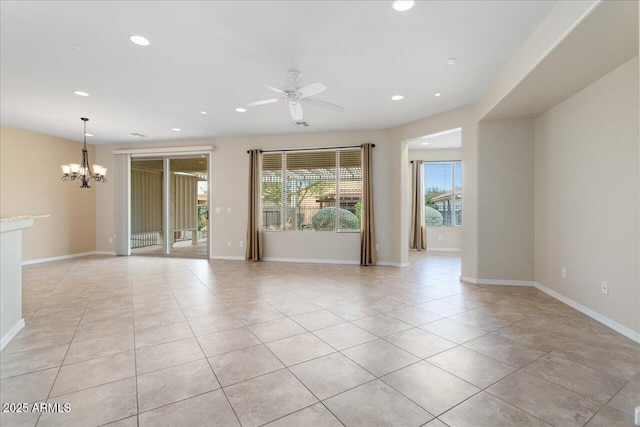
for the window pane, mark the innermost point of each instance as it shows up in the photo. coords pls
(350, 190)
(311, 179)
(443, 193)
(272, 191)
(457, 180)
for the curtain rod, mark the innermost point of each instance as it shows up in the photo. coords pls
(310, 149)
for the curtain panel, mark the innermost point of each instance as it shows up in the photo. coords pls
(367, 229)
(254, 221)
(418, 236)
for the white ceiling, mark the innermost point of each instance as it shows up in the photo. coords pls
(213, 56)
(448, 139)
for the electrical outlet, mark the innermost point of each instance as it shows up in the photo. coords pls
(228, 210)
(439, 236)
(564, 273)
(605, 288)
(110, 239)
(217, 209)
(229, 243)
(241, 244)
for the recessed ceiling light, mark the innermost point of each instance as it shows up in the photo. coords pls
(139, 40)
(176, 129)
(425, 143)
(403, 5)
(88, 134)
(437, 94)
(451, 61)
(241, 110)
(397, 97)
(81, 93)
(204, 113)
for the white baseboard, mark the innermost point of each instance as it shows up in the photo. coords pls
(6, 339)
(228, 257)
(627, 332)
(61, 257)
(498, 282)
(393, 264)
(444, 249)
(313, 260)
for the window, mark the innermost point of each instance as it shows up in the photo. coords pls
(443, 193)
(301, 190)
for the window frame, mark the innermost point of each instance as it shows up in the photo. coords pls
(284, 202)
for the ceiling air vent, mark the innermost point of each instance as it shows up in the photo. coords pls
(303, 124)
(137, 134)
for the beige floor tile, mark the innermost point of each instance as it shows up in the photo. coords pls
(210, 409)
(596, 385)
(32, 340)
(240, 365)
(268, 397)
(226, 341)
(621, 363)
(353, 311)
(158, 319)
(504, 350)
(98, 347)
(441, 308)
(162, 334)
(205, 310)
(475, 368)
(430, 387)
(299, 348)
(31, 361)
(104, 328)
(126, 422)
(479, 320)
(382, 325)
(543, 340)
(628, 397)
(317, 320)
(94, 372)
(380, 357)
(435, 423)
(485, 410)
(413, 316)
(453, 331)
(276, 329)
(419, 342)
(344, 335)
(28, 388)
(376, 404)
(545, 400)
(611, 417)
(291, 308)
(94, 406)
(162, 356)
(258, 315)
(329, 375)
(313, 416)
(209, 325)
(170, 385)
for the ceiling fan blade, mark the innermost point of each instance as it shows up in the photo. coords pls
(296, 110)
(312, 89)
(274, 89)
(266, 101)
(324, 105)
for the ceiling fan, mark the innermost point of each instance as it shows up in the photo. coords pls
(298, 96)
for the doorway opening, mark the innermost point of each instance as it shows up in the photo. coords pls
(170, 206)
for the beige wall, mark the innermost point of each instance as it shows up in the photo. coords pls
(505, 205)
(440, 238)
(30, 184)
(229, 171)
(586, 196)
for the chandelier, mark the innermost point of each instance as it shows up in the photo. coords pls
(74, 171)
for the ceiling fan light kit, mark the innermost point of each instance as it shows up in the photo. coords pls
(298, 96)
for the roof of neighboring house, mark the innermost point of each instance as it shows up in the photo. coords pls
(447, 196)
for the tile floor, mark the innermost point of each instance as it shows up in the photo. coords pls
(154, 342)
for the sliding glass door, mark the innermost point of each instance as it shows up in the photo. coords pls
(169, 206)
